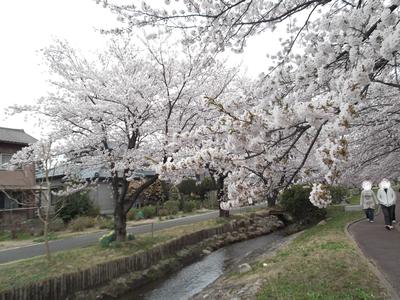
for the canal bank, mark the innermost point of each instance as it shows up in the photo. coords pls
(245, 227)
(201, 279)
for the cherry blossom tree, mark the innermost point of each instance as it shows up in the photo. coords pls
(121, 109)
(337, 58)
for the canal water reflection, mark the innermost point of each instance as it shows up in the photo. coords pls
(193, 278)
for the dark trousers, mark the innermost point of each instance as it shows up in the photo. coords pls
(394, 212)
(388, 214)
(369, 213)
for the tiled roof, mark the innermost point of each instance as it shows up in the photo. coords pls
(92, 172)
(15, 136)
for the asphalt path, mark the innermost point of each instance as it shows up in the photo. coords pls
(381, 246)
(24, 252)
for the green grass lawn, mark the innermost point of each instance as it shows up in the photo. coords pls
(322, 263)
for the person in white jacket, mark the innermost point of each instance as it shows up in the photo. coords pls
(368, 200)
(387, 200)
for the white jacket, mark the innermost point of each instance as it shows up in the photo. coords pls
(386, 199)
(368, 199)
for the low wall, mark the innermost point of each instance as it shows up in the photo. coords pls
(67, 284)
(62, 286)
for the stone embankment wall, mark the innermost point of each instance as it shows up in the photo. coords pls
(64, 286)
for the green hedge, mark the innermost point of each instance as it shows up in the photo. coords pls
(295, 200)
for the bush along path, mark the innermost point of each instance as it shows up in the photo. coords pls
(381, 246)
(319, 263)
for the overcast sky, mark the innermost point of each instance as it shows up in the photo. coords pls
(26, 26)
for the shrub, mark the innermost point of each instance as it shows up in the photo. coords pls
(105, 222)
(149, 211)
(162, 212)
(78, 204)
(338, 193)
(172, 207)
(189, 206)
(107, 239)
(135, 214)
(187, 186)
(206, 185)
(81, 223)
(295, 200)
(131, 214)
(57, 225)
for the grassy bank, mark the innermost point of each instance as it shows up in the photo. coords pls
(23, 272)
(322, 263)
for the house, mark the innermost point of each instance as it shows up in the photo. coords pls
(17, 196)
(101, 192)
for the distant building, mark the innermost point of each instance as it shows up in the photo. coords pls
(101, 193)
(16, 186)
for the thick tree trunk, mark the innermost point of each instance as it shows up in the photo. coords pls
(119, 211)
(271, 201)
(123, 202)
(120, 222)
(271, 198)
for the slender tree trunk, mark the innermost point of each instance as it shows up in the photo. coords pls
(46, 222)
(223, 213)
(46, 238)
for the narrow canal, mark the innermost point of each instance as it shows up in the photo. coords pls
(195, 277)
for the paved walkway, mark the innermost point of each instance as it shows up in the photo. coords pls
(380, 245)
(8, 255)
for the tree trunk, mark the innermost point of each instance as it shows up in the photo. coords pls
(271, 201)
(119, 211)
(123, 203)
(164, 191)
(271, 198)
(46, 224)
(119, 221)
(223, 213)
(46, 237)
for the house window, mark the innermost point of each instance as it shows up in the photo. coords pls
(4, 159)
(7, 203)
(2, 200)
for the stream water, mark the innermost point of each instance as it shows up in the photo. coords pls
(193, 278)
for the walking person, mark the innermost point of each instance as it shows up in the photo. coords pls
(387, 199)
(368, 200)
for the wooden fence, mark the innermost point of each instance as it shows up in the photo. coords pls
(62, 286)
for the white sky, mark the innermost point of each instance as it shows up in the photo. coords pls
(26, 26)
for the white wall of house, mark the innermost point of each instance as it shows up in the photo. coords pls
(101, 195)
